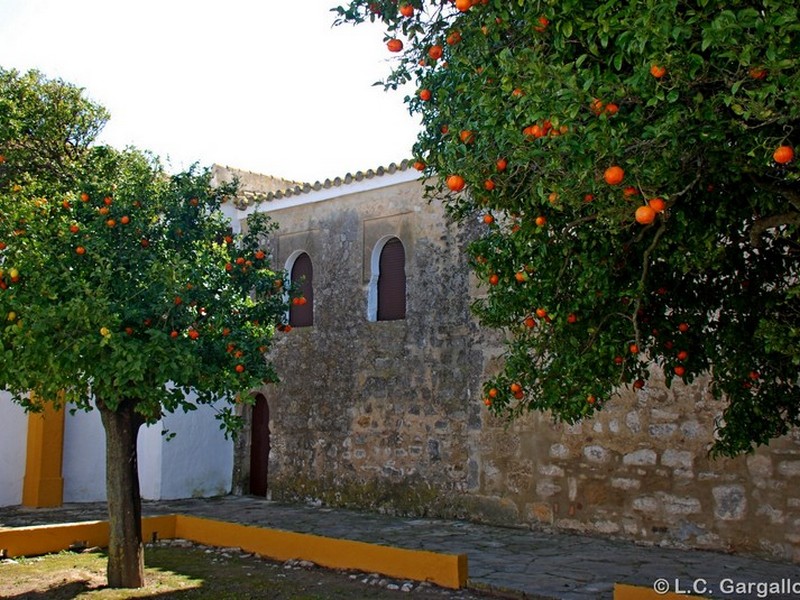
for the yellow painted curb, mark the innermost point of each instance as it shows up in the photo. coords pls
(445, 570)
(635, 592)
(42, 539)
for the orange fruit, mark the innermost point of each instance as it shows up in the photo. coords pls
(84, 197)
(125, 219)
(645, 215)
(74, 228)
(572, 318)
(435, 52)
(488, 185)
(456, 183)
(419, 165)
(657, 71)
(634, 349)
(757, 73)
(103, 210)
(259, 255)
(541, 313)
(543, 23)
(463, 5)
(107, 200)
(111, 223)
(144, 243)
(683, 327)
(173, 334)
(591, 399)
(657, 204)
(494, 279)
(683, 355)
(80, 250)
(394, 45)
(613, 175)
(596, 106)
(530, 322)
(540, 221)
(467, 136)
(407, 10)
(521, 276)
(454, 38)
(425, 95)
(783, 155)
(502, 164)
(515, 388)
(630, 191)
(611, 108)
(680, 370)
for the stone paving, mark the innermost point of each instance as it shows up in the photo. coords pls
(525, 563)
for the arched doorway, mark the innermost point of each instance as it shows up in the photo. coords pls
(259, 447)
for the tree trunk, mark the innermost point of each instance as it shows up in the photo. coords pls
(125, 547)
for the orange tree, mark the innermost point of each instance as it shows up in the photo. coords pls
(631, 166)
(121, 287)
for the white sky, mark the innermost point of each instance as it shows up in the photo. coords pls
(263, 85)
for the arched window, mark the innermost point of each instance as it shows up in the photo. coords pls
(302, 275)
(387, 293)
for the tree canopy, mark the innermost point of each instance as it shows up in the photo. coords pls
(119, 280)
(631, 165)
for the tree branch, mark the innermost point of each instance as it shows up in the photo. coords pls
(763, 224)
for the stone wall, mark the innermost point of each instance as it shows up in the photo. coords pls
(388, 415)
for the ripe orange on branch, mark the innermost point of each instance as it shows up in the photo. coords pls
(657, 204)
(645, 215)
(613, 175)
(435, 52)
(783, 155)
(394, 45)
(456, 183)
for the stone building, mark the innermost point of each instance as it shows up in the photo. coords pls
(380, 407)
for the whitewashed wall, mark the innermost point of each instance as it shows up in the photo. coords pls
(197, 462)
(13, 433)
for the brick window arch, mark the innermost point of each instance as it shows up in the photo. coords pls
(387, 289)
(301, 274)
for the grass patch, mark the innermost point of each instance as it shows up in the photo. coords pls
(179, 570)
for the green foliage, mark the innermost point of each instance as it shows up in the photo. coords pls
(690, 99)
(119, 281)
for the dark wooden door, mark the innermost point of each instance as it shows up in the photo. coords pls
(259, 447)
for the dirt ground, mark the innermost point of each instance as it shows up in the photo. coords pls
(182, 570)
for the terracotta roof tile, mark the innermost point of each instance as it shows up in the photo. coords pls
(255, 188)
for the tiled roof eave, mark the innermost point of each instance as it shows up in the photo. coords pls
(246, 199)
